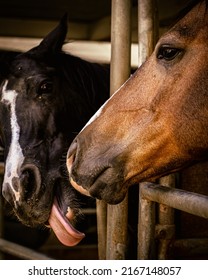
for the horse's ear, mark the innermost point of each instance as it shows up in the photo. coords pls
(53, 42)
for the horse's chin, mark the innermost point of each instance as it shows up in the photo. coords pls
(79, 188)
(105, 195)
(62, 227)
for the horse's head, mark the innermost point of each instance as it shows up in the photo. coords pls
(33, 128)
(156, 123)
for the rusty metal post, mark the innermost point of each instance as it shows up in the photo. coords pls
(1, 208)
(147, 37)
(147, 28)
(117, 217)
(120, 43)
(1, 223)
(146, 227)
(165, 230)
(101, 208)
(193, 203)
(21, 251)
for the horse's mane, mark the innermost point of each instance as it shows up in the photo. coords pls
(188, 7)
(80, 74)
(82, 88)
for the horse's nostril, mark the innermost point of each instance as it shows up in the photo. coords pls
(69, 163)
(30, 179)
(72, 150)
(27, 178)
(71, 156)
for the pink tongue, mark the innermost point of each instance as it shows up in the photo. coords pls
(63, 229)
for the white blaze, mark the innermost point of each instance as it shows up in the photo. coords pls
(15, 156)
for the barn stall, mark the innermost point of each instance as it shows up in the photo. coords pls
(151, 228)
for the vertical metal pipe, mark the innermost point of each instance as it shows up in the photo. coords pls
(117, 216)
(101, 207)
(120, 43)
(147, 28)
(1, 212)
(166, 216)
(146, 227)
(117, 230)
(166, 220)
(147, 37)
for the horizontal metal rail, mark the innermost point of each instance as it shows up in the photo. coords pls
(150, 193)
(190, 202)
(20, 251)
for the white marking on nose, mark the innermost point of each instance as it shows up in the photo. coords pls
(15, 156)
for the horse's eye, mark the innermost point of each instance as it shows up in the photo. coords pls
(167, 53)
(45, 87)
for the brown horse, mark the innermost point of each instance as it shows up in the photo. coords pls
(156, 123)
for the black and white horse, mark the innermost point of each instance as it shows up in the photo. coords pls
(46, 97)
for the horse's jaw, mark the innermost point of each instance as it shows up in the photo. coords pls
(62, 227)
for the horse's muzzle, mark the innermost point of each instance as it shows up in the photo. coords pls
(96, 178)
(70, 160)
(23, 188)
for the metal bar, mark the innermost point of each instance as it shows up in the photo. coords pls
(117, 230)
(147, 37)
(189, 202)
(1, 221)
(146, 228)
(166, 214)
(120, 43)
(166, 228)
(1, 208)
(117, 216)
(193, 203)
(147, 28)
(101, 208)
(20, 251)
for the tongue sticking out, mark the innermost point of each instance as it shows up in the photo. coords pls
(62, 227)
